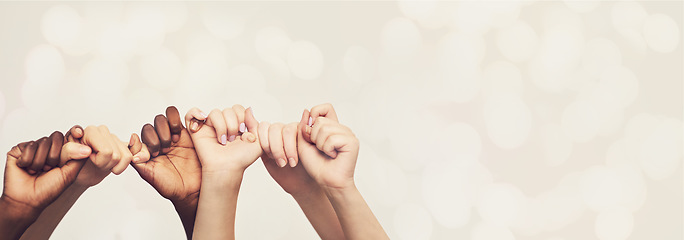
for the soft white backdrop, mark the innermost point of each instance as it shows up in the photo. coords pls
(478, 120)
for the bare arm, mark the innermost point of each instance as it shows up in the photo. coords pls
(279, 141)
(329, 152)
(225, 150)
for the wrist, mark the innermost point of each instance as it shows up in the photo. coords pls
(76, 186)
(219, 180)
(18, 212)
(187, 205)
(75, 190)
(339, 190)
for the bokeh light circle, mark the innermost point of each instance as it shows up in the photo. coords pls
(517, 42)
(459, 59)
(61, 25)
(581, 120)
(400, 37)
(412, 221)
(614, 223)
(602, 188)
(502, 78)
(508, 120)
(358, 64)
(486, 231)
(305, 60)
(45, 65)
(161, 69)
(451, 206)
(222, 22)
(600, 54)
(661, 33)
(660, 152)
(557, 146)
(500, 204)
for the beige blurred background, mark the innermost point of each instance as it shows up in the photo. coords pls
(477, 120)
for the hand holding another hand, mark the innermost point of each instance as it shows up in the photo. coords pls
(228, 141)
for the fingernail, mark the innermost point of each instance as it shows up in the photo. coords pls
(84, 150)
(281, 162)
(136, 159)
(292, 162)
(243, 128)
(194, 126)
(223, 139)
(310, 122)
(231, 138)
(203, 114)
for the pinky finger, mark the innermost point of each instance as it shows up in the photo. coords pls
(194, 119)
(74, 134)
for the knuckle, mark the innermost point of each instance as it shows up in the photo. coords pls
(107, 152)
(116, 156)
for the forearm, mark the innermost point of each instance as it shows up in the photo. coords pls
(15, 218)
(320, 213)
(48, 220)
(356, 218)
(217, 205)
(187, 210)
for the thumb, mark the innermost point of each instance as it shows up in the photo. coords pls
(12, 170)
(71, 169)
(73, 151)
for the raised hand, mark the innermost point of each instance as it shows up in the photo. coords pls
(174, 169)
(36, 173)
(109, 154)
(327, 148)
(227, 142)
(226, 145)
(279, 141)
(328, 151)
